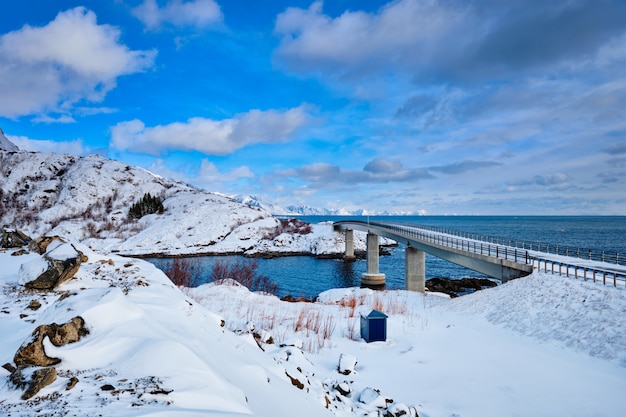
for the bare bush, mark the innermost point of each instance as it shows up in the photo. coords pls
(184, 272)
(244, 271)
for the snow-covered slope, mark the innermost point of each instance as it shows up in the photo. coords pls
(6, 144)
(542, 345)
(88, 199)
(155, 349)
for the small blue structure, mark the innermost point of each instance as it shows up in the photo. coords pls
(374, 326)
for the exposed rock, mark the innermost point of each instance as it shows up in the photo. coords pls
(9, 367)
(373, 398)
(71, 383)
(61, 264)
(456, 287)
(347, 364)
(33, 380)
(32, 352)
(34, 305)
(40, 245)
(295, 381)
(343, 388)
(107, 387)
(10, 238)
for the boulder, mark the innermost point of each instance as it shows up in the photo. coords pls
(32, 379)
(10, 238)
(347, 364)
(40, 245)
(54, 268)
(32, 351)
(456, 287)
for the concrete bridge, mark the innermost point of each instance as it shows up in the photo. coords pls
(497, 261)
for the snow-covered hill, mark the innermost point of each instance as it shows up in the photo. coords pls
(542, 345)
(87, 199)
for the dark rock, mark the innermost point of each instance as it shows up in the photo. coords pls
(295, 381)
(40, 245)
(34, 305)
(31, 380)
(13, 239)
(32, 352)
(61, 268)
(9, 367)
(71, 383)
(107, 387)
(456, 287)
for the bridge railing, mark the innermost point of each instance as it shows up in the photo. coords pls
(588, 254)
(535, 258)
(581, 271)
(464, 244)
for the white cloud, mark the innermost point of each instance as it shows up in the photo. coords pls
(212, 137)
(75, 147)
(377, 171)
(208, 176)
(71, 58)
(398, 35)
(196, 13)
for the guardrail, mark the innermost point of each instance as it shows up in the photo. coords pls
(587, 272)
(464, 244)
(589, 254)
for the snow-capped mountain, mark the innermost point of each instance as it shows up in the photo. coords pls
(87, 199)
(306, 210)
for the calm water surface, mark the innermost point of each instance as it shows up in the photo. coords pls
(307, 276)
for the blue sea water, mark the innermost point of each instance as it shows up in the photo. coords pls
(307, 276)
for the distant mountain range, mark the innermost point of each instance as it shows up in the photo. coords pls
(305, 210)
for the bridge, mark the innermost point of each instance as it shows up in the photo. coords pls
(503, 262)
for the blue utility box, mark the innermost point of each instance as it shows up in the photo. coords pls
(374, 326)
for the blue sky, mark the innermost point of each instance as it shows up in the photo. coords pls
(453, 107)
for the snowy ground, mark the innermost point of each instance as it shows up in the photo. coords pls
(539, 346)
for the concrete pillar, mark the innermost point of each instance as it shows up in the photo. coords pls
(415, 269)
(372, 277)
(349, 253)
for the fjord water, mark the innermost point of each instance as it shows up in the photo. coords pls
(307, 276)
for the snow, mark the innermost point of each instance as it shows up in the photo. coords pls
(540, 345)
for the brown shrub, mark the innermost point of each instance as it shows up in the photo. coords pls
(244, 271)
(184, 272)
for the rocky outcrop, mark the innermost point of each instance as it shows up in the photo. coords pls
(34, 368)
(54, 268)
(32, 380)
(11, 238)
(40, 245)
(32, 352)
(456, 287)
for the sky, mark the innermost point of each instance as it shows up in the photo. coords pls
(452, 107)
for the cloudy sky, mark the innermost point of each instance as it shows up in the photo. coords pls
(453, 107)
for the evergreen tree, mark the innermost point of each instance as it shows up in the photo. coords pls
(148, 204)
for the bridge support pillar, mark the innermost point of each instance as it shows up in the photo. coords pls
(349, 252)
(372, 278)
(415, 269)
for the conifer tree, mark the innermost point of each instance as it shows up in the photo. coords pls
(148, 204)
